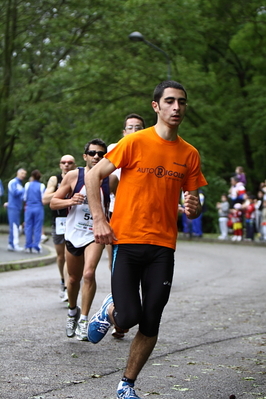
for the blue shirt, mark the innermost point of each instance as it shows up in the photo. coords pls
(15, 193)
(33, 193)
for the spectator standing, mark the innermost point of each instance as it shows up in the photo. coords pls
(34, 213)
(237, 218)
(197, 230)
(240, 175)
(67, 163)
(258, 213)
(232, 192)
(186, 222)
(249, 213)
(237, 191)
(187, 225)
(263, 220)
(14, 208)
(223, 212)
(240, 190)
(263, 189)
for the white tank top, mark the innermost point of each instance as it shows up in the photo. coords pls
(79, 222)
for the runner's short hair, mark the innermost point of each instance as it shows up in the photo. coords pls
(136, 116)
(159, 89)
(99, 142)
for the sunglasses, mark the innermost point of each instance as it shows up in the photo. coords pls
(92, 153)
(69, 162)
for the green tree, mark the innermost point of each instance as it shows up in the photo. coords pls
(39, 38)
(70, 73)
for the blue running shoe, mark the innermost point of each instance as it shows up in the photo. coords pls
(100, 323)
(126, 391)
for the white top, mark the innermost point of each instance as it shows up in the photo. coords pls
(79, 222)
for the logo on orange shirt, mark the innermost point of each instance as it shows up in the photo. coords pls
(160, 172)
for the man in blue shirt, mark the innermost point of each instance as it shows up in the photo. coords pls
(34, 212)
(15, 203)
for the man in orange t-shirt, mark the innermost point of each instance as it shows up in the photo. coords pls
(156, 164)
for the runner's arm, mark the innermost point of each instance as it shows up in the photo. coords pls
(103, 233)
(59, 200)
(50, 189)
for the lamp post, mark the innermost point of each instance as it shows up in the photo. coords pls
(138, 37)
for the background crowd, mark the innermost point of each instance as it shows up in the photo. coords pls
(242, 214)
(28, 198)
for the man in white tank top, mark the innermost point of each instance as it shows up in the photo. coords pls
(82, 253)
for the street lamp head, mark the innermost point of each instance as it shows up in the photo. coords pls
(136, 37)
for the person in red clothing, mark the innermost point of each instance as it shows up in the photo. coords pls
(249, 212)
(237, 217)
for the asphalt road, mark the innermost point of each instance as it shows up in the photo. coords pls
(212, 340)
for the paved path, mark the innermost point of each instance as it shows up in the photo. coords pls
(212, 340)
(19, 260)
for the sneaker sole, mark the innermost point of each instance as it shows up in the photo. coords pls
(71, 336)
(81, 338)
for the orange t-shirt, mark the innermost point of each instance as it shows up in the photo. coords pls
(153, 172)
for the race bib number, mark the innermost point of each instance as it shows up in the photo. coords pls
(86, 224)
(60, 225)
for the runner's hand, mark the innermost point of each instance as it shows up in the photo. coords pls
(103, 232)
(77, 199)
(191, 203)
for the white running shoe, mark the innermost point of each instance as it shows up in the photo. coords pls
(62, 291)
(64, 298)
(16, 248)
(36, 251)
(82, 330)
(44, 238)
(126, 391)
(71, 324)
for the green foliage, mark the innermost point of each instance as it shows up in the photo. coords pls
(69, 73)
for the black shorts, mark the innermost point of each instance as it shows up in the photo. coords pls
(141, 282)
(76, 251)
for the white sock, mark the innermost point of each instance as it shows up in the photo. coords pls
(72, 312)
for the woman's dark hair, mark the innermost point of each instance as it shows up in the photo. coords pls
(36, 174)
